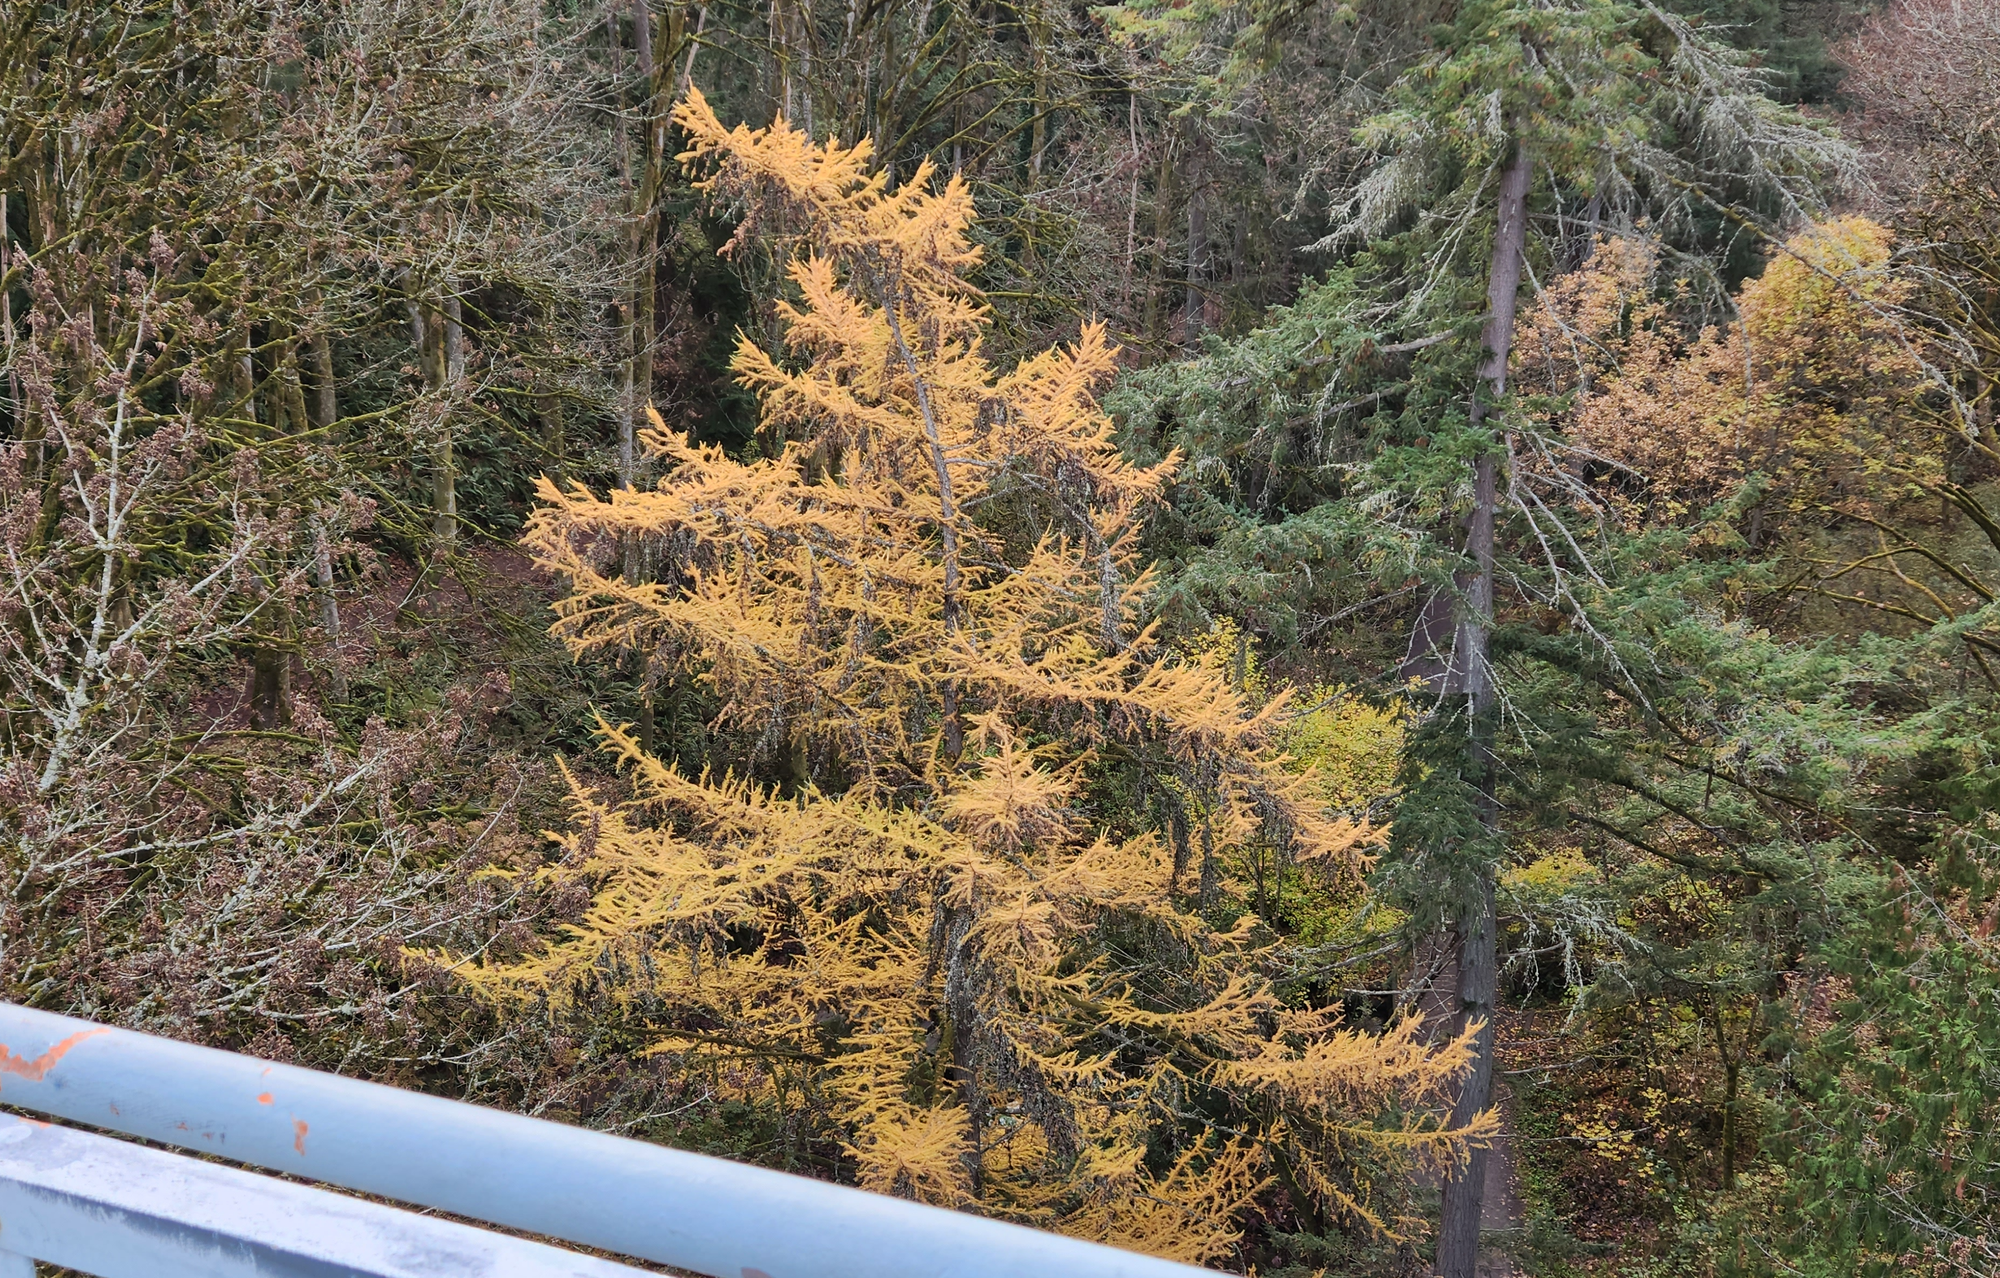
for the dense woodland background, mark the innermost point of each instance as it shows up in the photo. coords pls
(1230, 527)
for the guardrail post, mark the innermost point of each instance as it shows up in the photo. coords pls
(14, 1265)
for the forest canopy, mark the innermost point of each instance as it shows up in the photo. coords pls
(1319, 639)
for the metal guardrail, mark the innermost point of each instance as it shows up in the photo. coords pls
(62, 1192)
(109, 1207)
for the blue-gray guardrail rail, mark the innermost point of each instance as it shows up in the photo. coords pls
(106, 1207)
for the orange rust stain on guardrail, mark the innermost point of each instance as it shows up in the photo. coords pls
(37, 1069)
(299, 1134)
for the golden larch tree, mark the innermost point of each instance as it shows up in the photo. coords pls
(1001, 1002)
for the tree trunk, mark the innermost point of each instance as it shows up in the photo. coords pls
(307, 412)
(555, 433)
(1458, 1232)
(694, 46)
(954, 723)
(961, 1020)
(1731, 1071)
(1478, 941)
(1131, 210)
(7, 322)
(329, 608)
(1729, 1126)
(444, 466)
(270, 666)
(958, 112)
(246, 372)
(290, 414)
(1197, 255)
(645, 236)
(323, 410)
(887, 81)
(439, 342)
(1038, 135)
(1163, 214)
(627, 411)
(270, 689)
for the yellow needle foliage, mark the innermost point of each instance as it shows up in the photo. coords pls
(1811, 386)
(998, 1000)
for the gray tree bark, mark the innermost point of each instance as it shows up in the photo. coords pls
(1477, 928)
(444, 472)
(1197, 255)
(640, 333)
